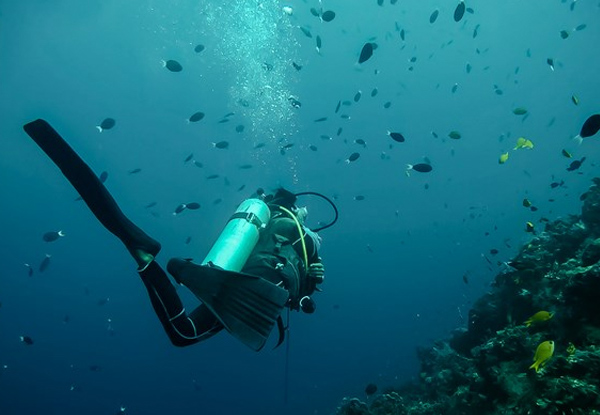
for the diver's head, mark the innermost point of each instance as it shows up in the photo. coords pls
(283, 198)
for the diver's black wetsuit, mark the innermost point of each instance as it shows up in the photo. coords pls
(276, 257)
(271, 259)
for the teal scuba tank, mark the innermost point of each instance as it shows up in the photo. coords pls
(235, 244)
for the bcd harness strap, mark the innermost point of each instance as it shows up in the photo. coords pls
(249, 217)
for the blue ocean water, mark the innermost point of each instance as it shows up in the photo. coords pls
(395, 261)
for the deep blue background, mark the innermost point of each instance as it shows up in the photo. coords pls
(395, 261)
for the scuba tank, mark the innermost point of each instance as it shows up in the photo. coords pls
(233, 247)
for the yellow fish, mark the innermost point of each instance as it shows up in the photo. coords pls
(529, 227)
(522, 142)
(539, 317)
(503, 158)
(566, 153)
(543, 353)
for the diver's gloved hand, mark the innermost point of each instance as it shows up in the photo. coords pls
(316, 272)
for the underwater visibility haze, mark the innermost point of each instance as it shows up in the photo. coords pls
(455, 138)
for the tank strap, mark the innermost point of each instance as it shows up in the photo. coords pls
(250, 217)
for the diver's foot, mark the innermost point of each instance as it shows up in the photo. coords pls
(144, 252)
(142, 258)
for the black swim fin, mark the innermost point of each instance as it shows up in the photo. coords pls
(142, 247)
(248, 306)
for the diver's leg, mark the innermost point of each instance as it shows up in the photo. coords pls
(183, 330)
(92, 191)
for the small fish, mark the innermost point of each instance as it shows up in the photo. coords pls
(529, 227)
(134, 171)
(314, 12)
(566, 154)
(325, 137)
(259, 145)
(526, 203)
(459, 11)
(29, 270)
(339, 131)
(434, 15)
(575, 99)
(387, 105)
(188, 240)
(550, 63)
(221, 144)
(520, 111)
(370, 389)
(321, 119)
(554, 185)
(503, 158)
(465, 278)
(420, 167)
(352, 157)
(337, 107)
(359, 197)
(357, 96)
(103, 176)
(345, 116)
(476, 31)
(494, 251)
(543, 353)
(246, 166)
(468, 68)
(580, 27)
(522, 142)
(296, 66)
(360, 142)
(106, 124)
(198, 164)
(52, 236)
(328, 16)
(151, 204)
(197, 116)
(172, 65)
(26, 339)
(398, 137)
(192, 206)
(103, 301)
(564, 34)
(45, 262)
(454, 88)
(306, 31)
(239, 128)
(590, 127)
(455, 135)
(374, 92)
(180, 208)
(576, 164)
(212, 176)
(188, 158)
(313, 147)
(199, 48)
(538, 318)
(319, 44)
(365, 53)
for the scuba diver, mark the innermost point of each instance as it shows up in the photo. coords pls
(264, 260)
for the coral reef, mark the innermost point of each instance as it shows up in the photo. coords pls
(485, 368)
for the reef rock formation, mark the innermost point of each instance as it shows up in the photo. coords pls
(485, 368)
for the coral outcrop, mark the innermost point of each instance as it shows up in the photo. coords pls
(485, 367)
